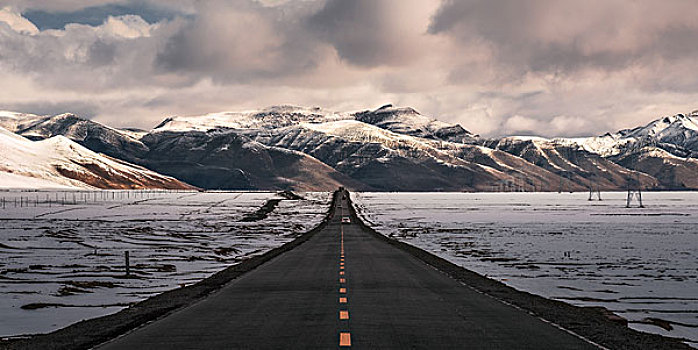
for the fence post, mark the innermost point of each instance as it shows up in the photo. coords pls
(128, 265)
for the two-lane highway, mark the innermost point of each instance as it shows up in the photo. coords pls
(346, 288)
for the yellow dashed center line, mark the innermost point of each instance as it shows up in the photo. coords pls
(344, 336)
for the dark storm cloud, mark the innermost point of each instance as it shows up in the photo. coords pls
(241, 41)
(359, 30)
(558, 67)
(101, 53)
(566, 36)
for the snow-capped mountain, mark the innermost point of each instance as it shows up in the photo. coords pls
(225, 159)
(670, 171)
(569, 160)
(400, 120)
(212, 159)
(676, 134)
(268, 118)
(100, 138)
(379, 158)
(14, 121)
(59, 162)
(659, 152)
(391, 161)
(389, 148)
(410, 122)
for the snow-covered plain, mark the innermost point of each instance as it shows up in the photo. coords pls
(72, 253)
(637, 262)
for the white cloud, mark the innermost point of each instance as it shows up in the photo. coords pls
(518, 123)
(563, 68)
(16, 22)
(129, 26)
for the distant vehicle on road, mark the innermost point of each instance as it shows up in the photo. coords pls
(346, 220)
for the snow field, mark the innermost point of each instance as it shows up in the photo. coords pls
(72, 256)
(638, 262)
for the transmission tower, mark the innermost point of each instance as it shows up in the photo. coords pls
(594, 188)
(594, 191)
(634, 191)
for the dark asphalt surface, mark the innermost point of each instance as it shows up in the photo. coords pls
(393, 301)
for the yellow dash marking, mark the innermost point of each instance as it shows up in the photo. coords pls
(344, 339)
(343, 290)
(341, 264)
(341, 267)
(341, 273)
(342, 280)
(342, 300)
(343, 315)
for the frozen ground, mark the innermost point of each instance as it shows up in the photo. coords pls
(65, 263)
(638, 263)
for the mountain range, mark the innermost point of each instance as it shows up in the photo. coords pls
(386, 149)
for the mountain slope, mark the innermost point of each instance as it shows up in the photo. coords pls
(14, 121)
(405, 121)
(388, 149)
(95, 136)
(62, 162)
(192, 156)
(676, 134)
(223, 159)
(662, 149)
(571, 162)
(268, 118)
(394, 162)
(408, 121)
(669, 170)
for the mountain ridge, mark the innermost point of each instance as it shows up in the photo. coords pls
(388, 148)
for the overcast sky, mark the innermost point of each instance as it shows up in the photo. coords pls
(546, 67)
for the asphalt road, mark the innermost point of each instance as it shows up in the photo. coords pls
(391, 300)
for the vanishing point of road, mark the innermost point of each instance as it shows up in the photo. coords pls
(346, 288)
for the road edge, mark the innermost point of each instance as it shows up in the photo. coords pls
(89, 333)
(590, 323)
